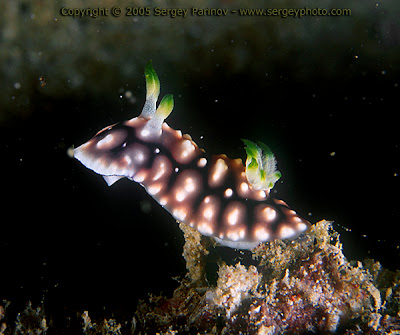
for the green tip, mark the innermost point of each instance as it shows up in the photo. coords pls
(166, 106)
(251, 148)
(152, 82)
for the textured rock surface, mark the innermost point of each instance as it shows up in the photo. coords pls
(301, 286)
(294, 287)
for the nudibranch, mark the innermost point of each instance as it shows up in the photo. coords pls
(218, 196)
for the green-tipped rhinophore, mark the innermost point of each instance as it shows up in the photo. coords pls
(152, 91)
(152, 82)
(166, 106)
(261, 170)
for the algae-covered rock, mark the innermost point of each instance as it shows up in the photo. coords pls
(295, 287)
(306, 285)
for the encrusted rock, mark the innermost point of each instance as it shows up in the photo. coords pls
(298, 286)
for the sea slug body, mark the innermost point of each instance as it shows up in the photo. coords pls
(218, 196)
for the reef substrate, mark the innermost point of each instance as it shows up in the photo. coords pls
(296, 287)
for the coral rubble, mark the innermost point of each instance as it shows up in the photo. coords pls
(31, 321)
(302, 286)
(193, 252)
(109, 327)
(291, 287)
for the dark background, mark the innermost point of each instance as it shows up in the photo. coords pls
(322, 92)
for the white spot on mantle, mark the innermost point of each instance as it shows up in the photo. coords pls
(105, 142)
(228, 192)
